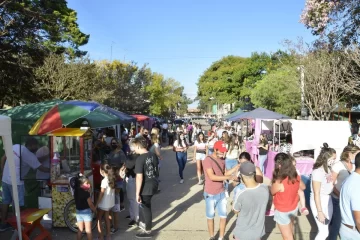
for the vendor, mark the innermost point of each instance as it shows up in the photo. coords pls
(287, 146)
(263, 151)
(28, 160)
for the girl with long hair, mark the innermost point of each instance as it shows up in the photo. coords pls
(210, 143)
(322, 184)
(225, 137)
(84, 206)
(285, 186)
(340, 172)
(117, 159)
(263, 151)
(180, 147)
(199, 154)
(106, 199)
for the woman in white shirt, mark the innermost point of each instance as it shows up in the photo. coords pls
(340, 172)
(180, 147)
(199, 154)
(210, 143)
(322, 185)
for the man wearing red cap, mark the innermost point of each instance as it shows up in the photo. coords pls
(214, 191)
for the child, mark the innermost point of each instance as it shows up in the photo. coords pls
(285, 187)
(84, 205)
(303, 210)
(106, 198)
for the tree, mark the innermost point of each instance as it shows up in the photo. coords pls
(164, 94)
(69, 79)
(337, 19)
(128, 82)
(232, 78)
(29, 31)
(329, 78)
(279, 91)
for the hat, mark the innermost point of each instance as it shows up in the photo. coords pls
(247, 169)
(220, 146)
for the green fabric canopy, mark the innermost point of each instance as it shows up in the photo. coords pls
(237, 112)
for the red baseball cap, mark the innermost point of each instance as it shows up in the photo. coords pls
(220, 146)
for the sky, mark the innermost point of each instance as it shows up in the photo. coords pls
(181, 39)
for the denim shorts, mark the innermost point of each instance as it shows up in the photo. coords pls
(84, 215)
(7, 194)
(215, 202)
(284, 218)
(200, 156)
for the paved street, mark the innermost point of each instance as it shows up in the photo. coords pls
(179, 210)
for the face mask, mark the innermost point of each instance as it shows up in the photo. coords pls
(181, 137)
(353, 161)
(132, 148)
(331, 162)
(145, 135)
(113, 146)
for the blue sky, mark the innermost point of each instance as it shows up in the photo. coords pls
(181, 39)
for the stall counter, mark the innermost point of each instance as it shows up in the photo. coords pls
(303, 164)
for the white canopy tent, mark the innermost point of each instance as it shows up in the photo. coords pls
(5, 133)
(307, 135)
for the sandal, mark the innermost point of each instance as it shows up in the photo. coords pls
(304, 211)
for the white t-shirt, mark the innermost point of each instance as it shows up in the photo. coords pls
(29, 160)
(327, 183)
(343, 174)
(200, 146)
(176, 143)
(108, 200)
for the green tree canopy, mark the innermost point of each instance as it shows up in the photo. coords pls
(279, 91)
(29, 31)
(232, 78)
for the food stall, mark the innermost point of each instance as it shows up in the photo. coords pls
(71, 150)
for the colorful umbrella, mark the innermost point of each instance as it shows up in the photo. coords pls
(65, 113)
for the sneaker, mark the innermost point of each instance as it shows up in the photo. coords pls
(4, 227)
(227, 194)
(128, 217)
(212, 238)
(304, 211)
(144, 235)
(132, 223)
(270, 213)
(181, 181)
(141, 225)
(114, 230)
(201, 182)
(122, 208)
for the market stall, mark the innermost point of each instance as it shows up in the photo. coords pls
(142, 120)
(5, 134)
(68, 126)
(310, 135)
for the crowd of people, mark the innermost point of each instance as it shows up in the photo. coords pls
(223, 166)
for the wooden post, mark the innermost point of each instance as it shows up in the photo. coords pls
(82, 148)
(349, 116)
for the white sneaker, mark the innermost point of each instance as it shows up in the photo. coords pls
(226, 194)
(181, 181)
